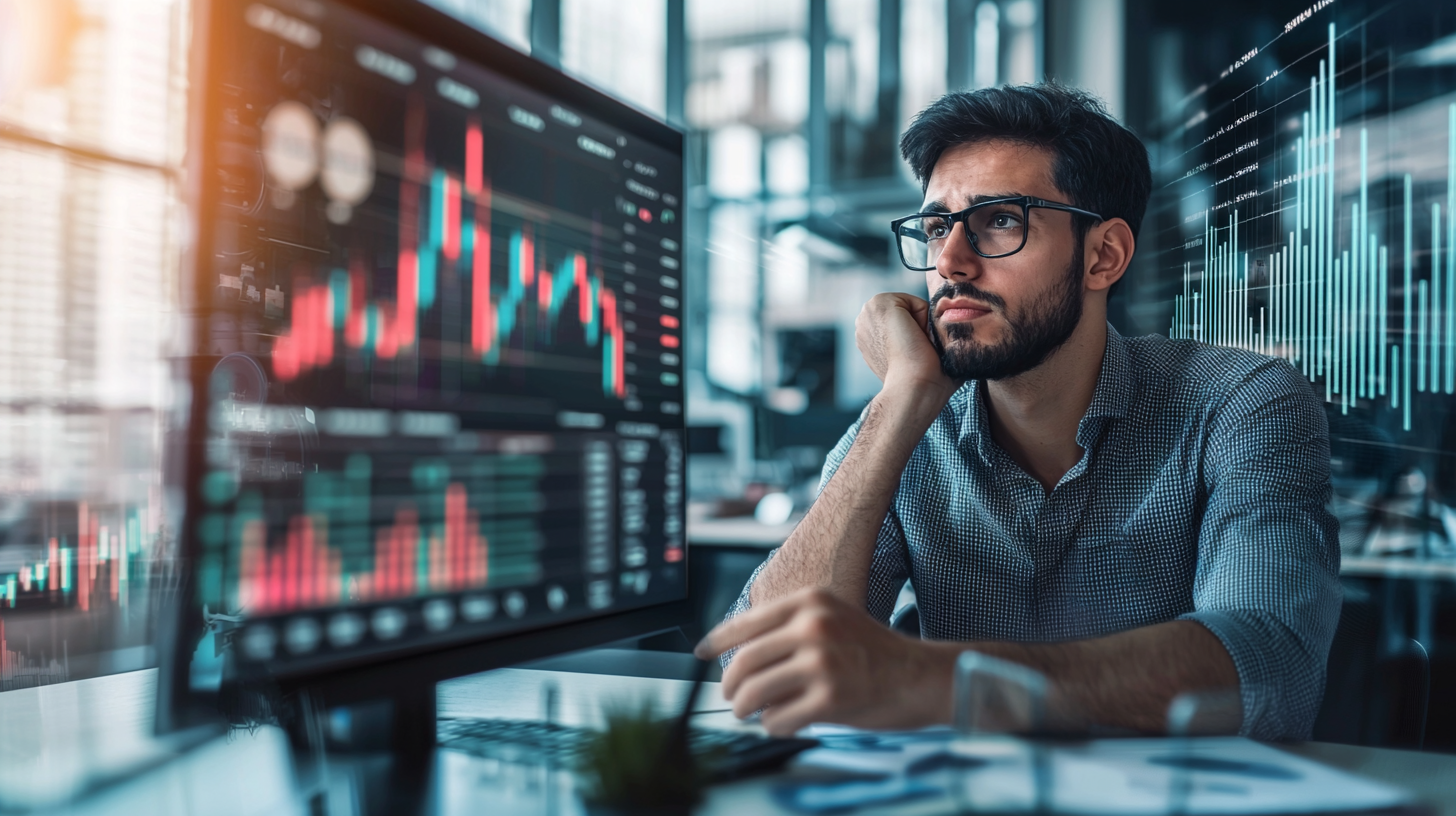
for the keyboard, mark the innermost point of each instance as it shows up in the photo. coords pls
(736, 754)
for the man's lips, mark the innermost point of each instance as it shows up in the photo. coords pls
(959, 309)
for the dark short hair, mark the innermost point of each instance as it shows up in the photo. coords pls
(1099, 163)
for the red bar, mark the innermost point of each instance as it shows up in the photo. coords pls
(299, 327)
(285, 358)
(396, 561)
(668, 322)
(451, 245)
(620, 352)
(323, 297)
(543, 291)
(53, 577)
(407, 521)
(115, 567)
(387, 344)
(474, 159)
(455, 540)
(482, 313)
(275, 581)
(83, 576)
(583, 290)
(407, 299)
(670, 341)
(409, 563)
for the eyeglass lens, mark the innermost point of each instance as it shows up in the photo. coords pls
(996, 229)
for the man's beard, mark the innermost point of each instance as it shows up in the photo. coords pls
(1035, 332)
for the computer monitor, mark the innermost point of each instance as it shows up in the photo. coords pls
(437, 396)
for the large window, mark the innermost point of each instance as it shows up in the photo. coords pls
(91, 103)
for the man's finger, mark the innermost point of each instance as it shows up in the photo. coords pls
(777, 685)
(788, 718)
(744, 627)
(757, 656)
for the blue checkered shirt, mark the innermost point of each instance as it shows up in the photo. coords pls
(1200, 495)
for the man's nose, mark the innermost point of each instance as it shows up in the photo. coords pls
(959, 261)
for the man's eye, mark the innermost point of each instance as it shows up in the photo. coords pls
(937, 230)
(1005, 221)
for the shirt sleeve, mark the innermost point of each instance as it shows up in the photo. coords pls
(889, 567)
(1267, 581)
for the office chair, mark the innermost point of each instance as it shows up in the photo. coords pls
(1374, 696)
(906, 620)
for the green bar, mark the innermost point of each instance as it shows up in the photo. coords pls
(1409, 296)
(1435, 316)
(1316, 196)
(1384, 273)
(1451, 245)
(1421, 334)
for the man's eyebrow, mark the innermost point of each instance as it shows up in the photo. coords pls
(940, 206)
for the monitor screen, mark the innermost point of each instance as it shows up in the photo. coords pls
(440, 379)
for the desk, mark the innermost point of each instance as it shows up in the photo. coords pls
(63, 734)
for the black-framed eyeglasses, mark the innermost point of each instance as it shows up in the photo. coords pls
(995, 229)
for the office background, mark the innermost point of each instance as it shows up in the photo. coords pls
(1300, 210)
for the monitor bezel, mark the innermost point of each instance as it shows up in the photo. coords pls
(353, 679)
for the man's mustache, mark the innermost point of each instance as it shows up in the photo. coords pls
(966, 289)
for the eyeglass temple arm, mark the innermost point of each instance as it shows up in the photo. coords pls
(1052, 205)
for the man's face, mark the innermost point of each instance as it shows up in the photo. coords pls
(1000, 317)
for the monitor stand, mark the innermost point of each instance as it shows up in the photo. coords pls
(406, 689)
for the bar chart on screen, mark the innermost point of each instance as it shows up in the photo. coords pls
(381, 529)
(1340, 260)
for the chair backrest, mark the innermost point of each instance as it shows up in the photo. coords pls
(906, 620)
(1376, 689)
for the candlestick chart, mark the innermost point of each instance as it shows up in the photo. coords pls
(445, 229)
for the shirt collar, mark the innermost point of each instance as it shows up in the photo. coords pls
(1110, 400)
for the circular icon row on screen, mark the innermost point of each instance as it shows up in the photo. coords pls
(305, 634)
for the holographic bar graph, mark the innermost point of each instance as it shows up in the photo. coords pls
(100, 564)
(1322, 301)
(437, 228)
(17, 671)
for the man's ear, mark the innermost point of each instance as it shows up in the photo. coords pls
(1108, 250)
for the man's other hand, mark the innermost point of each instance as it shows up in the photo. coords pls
(810, 657)
(892, 334)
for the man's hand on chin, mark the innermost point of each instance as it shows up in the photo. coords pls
(810, 657)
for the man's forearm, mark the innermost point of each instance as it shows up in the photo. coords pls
(1126, 680)
(832, 547)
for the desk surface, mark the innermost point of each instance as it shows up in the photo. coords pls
(62, 738)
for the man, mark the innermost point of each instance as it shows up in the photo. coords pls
(1135, 518)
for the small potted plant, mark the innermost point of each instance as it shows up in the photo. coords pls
(641, 764)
